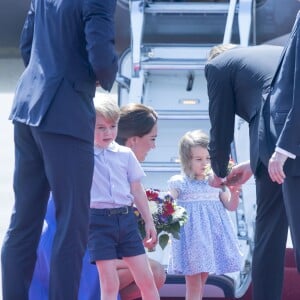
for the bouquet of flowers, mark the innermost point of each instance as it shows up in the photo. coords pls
(168, 217)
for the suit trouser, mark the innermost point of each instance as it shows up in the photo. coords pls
(270, 239)
(291, 196)
(43, 162)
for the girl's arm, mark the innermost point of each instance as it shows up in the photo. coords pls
(141, 202)
(230, 197)
(174, 193)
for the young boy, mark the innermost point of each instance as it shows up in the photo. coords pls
(113, 226)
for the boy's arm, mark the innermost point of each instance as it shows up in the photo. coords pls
(141, 202)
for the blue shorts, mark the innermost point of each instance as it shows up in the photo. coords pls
(114, 233)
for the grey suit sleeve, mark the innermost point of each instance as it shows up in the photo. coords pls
(100, 35)
(222, 114)
(27, 35)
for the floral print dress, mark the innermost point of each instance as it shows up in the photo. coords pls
(207, 242)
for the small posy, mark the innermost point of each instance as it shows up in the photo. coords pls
(168, 217)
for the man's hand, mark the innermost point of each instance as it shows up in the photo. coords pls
(275, 167)
(239, 174)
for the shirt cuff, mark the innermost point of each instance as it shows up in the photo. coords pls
(284, 152)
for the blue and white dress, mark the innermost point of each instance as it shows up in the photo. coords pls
(207, 242)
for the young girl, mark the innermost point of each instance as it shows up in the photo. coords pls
(207, 241)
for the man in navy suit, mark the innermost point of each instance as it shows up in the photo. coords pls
(236, 80)
(67, 47)
(280, 134)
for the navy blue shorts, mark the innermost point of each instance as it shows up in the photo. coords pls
(114, 233)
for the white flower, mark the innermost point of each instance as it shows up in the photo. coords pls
(179, 211)
(153, 206)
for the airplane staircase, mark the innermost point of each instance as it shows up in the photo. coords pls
(168, 75)
(140, 9)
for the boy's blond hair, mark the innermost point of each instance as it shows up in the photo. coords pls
(107, 108)
(187, 142)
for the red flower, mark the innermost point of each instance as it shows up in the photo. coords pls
(168, 209)
(152, 195)
(167, 216)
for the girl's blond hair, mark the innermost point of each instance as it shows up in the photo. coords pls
(187, 142)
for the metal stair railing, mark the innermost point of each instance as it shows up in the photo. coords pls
(138, 9)
(244, 9)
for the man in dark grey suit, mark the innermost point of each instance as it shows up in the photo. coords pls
(280, 133)
(235, 80)
(67, 47)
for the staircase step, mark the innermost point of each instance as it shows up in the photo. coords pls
(187, 8)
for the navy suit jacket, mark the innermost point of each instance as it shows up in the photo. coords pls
(280, 122)
(66, 45)
(235, 81)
